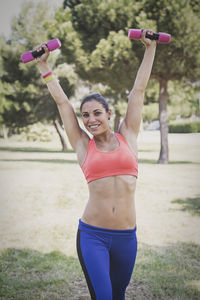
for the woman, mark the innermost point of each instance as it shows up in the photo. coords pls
(106, 238)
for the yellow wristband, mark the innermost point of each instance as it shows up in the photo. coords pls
(48, 78)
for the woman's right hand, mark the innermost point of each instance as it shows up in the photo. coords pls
(44, 57)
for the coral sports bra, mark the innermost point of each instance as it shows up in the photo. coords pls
(99, 164)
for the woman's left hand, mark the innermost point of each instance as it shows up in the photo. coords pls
(147, 42)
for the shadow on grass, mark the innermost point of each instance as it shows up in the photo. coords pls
(160, 273)
(191, 205)
(33, 149)
(148, 150)
(43, 150)
(73, 161)
(154, 161)
(52, 161)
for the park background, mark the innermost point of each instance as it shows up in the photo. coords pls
(43, 192)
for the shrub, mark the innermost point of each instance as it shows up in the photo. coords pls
(150, 112)
(184, 127)
(37, 132)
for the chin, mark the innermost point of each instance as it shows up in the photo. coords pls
(95, 133)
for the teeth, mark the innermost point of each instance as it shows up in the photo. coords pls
(94, 126)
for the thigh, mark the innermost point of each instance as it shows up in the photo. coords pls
(122, 261)
(94, 258)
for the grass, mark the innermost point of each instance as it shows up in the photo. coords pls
(51, 161)
(160, 273)
(29, 149)
(190, 204)
(43, 194)
(29, 274)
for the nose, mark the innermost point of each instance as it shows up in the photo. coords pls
(91, 118)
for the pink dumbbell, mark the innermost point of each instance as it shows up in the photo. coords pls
(160, 37)
(31, 55)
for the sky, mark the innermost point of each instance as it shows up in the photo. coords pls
(11, 8)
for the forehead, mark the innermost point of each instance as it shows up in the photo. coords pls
(92, 105)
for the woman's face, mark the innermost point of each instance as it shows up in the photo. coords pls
(95, 118)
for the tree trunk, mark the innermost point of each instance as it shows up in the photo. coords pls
(61, 134)
(116, 121)
(5, 132)
(163, 158)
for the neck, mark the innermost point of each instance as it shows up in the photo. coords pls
(104, 137)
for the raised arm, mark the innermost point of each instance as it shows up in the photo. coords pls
(76, 135)
(131, 123)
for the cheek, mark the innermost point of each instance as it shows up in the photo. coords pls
(84, 121)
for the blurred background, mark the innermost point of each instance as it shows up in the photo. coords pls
(43, 191)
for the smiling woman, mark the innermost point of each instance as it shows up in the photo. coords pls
(95, 113)
(106, 238)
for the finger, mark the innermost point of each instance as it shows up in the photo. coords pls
(40, 47)
(150, 32)
(144, 31)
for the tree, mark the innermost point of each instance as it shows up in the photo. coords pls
(93, 39)
(27, 98)
(106, 55)
(180, 60)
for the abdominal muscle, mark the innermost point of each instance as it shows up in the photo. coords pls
(111, 203)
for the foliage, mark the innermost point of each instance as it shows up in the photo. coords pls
(101, 29)
(105, 54)
(25, 98)
(95, 44)
(184, 127)
(94, 21)
(37, 132)
(183, 99)
(178, 19)
(152, 92)
(150, 112)
(101, 49)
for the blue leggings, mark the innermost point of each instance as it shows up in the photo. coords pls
(107, 258)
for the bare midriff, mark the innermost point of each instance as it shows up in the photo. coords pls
(111, 203)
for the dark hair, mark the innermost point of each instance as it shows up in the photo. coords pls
(96, 97)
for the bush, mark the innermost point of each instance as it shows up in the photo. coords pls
(184, 127)
(150, 112)
(37, 132)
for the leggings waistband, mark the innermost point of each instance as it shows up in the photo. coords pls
(87, 227)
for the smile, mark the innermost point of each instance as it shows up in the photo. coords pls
(94, 126)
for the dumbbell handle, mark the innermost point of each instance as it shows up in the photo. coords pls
(160, 37)
(31, 55)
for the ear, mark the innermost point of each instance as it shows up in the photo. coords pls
(109, 114)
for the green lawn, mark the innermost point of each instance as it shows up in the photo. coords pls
(43, 194)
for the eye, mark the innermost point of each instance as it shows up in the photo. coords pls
(85, 115)
(97, 113)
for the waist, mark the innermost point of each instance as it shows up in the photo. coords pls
(90, 228)
(111, 203)
(110, 214)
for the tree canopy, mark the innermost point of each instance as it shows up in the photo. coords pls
(26, 98)
(103, 53)
(96, 48)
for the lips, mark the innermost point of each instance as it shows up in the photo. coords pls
(94, 126)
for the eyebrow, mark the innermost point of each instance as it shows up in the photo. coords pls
(93, 110)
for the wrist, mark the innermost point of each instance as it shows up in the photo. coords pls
(43, 68)
(151, 46)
